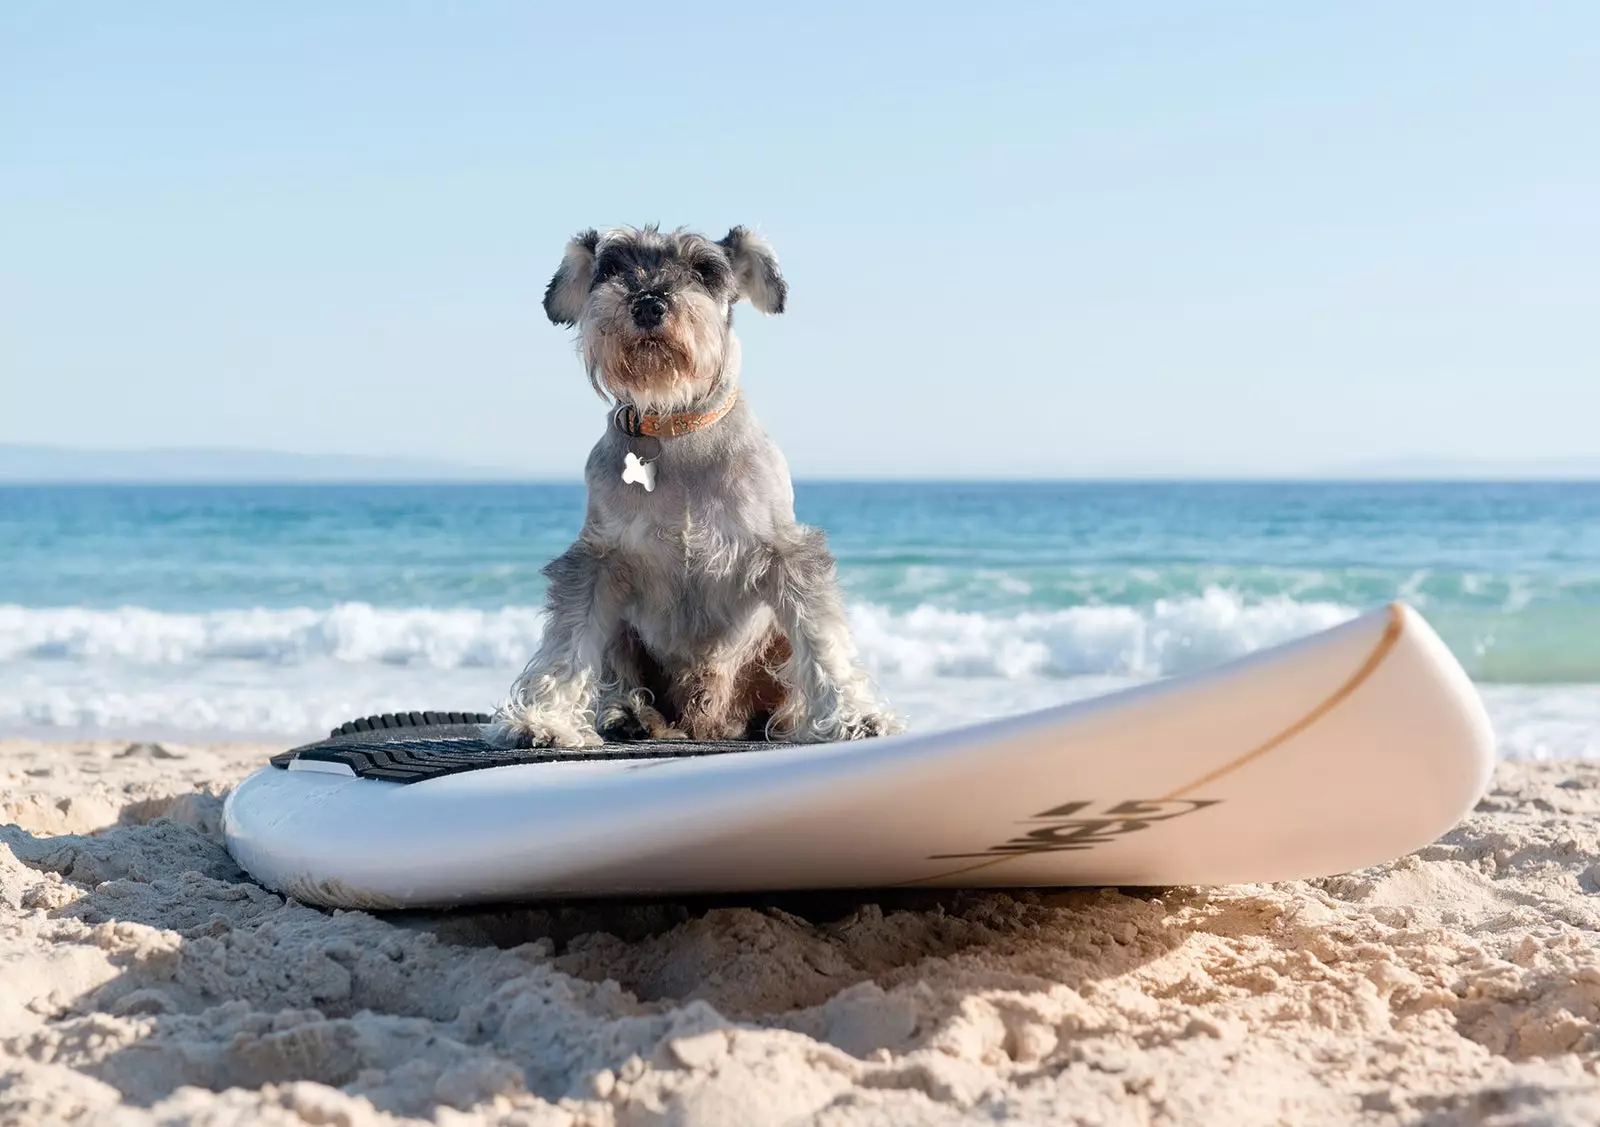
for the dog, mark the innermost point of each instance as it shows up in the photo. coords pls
(692, 604)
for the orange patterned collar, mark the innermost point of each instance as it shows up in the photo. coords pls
(631, 423)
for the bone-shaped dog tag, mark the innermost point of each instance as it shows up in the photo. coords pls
(635, 472)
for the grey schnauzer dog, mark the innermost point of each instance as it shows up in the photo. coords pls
(692, 604)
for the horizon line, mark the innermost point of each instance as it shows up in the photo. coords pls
(1302, 478)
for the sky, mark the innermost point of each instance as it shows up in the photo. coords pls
(1021, 239)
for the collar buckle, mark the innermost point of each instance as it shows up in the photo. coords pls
(628, 421)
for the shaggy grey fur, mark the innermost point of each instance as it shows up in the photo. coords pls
(700, 608)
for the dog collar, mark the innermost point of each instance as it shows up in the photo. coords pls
(630, 422)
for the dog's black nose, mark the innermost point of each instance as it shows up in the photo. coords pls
(649, 311)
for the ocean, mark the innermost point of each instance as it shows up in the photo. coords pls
(280, 611)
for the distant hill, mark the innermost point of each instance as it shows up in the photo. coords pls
(24, 463)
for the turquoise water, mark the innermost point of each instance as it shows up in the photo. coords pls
(274, 608)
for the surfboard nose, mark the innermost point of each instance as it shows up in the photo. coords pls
(1476, 731)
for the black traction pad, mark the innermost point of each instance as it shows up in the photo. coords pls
(418, 752)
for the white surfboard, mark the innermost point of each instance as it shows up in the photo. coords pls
(1337, 751)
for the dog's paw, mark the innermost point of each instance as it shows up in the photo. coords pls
(866, 725)
(715, 728)
(531, 729)
(630, 721)
(565, 736)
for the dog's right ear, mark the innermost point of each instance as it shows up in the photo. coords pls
(569, 289)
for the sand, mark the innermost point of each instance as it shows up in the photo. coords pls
(145, 980)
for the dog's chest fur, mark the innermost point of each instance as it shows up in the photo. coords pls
(687, 547)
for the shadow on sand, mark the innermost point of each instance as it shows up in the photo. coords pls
(207, 979)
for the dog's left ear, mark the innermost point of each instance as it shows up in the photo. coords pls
(756, 268)
(569, 289)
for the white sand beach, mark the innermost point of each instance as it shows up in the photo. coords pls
(145, 980)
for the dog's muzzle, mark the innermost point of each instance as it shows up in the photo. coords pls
(648, 310)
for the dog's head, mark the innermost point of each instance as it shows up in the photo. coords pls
(655, 311)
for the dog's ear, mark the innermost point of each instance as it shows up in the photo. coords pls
(569, 289)
(756, 269)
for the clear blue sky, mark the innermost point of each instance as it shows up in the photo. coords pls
(1021, 239)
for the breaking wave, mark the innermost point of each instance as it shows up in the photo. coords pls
(1169, 636)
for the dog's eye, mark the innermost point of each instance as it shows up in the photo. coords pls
(607, 268)
(713, 273)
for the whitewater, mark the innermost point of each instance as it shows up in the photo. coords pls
(184, 612)
(299, 671)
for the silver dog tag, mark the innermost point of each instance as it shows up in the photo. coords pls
(636, 472)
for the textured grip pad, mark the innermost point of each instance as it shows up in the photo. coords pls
(413, 753)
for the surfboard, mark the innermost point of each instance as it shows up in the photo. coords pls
(1340, 750)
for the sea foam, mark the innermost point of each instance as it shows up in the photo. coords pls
(294, 673)
(1170, 636)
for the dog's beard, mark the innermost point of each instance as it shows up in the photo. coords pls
(643, 369)
(665, 370)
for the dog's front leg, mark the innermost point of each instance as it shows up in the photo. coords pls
(830, 696)
(552, 703)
